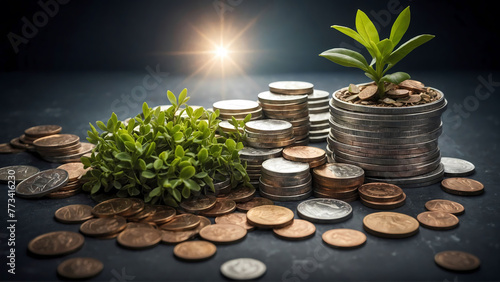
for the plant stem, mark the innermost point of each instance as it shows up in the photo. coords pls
(381, 89)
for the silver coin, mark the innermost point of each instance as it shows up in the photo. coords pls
(319, 118)
(268, 126)
(291, 87)
(20, 172)
(286, 190)
(422, 138)
(433, 176)
(236, 106)
(286, 198)
(227, 127)
(250, 153)
(389, 161)
(318, 95)
(385, 134)
(319, 133)
(324, 210)
(283, 167)
(319, 110)
(319, 104)
(42, 183)
(385, 147)
(243, 269)
(457, 167)
(272, 98)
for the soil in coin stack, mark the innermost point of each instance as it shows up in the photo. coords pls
(438, 220)
(80, 268)
(311, 155)
(74, 214)
(324, 210)
(243, 269)
(56, 243)
(270, 216)
(445, 206)
(457, 261)
(344, 238)
(390, 225)
(195, 250)
(298, 230)
(462, 186)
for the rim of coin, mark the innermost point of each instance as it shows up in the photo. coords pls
(80, 268)
(281, 198)
(268, 126)
(457, 260)
(243, 269)
(240, 194)
(249, 153)
(318, 95)
(283, 167)
(390, 225)
(74, 170)
(228, 127)
(236, 218)
(162, 215)
(344, 238)
(457, 167)
(323, 210)
(384, 205)
(223, 233)
(380, 192)
(236, 105)
(103, 226)
(174, 237)
(298, 230)
(48, 181)
(254, 202)
(56, 243)
(198, 204)
(145, 213)
(222, 206)
(74, 213)
(267, 97)
(182, 222)
(195, 250)
(42, 130)
(139, 238)
(21, 172)
(137, 207)
(341, 171)
(270, 216)
(112, 207)
(445, 206)
(438, 220)
(462, 186)
(56, 141)
(304, 154)
(291, 87)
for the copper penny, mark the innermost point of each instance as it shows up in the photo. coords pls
(150, 225)
(445, 206)
(240, 194)
(198, 204)
(74, 213)
(162, 215)
(380, 192)
(64, 193)
(390, 225)
(148, 210)
(438, 220)
(7, 148)
(103, 226)
(255, 202)
(385, 205)
(223, 233)
(368, 92)
(137, 207)
(303, 154)
(56, 141)
(299, 229)
(195, 250)
(270, 216)
(75, 170)
(411, 84)
(80, 268)
(182, 222)
(457, 260)
(462, 186)
(221, 207)
(43, 130)
(112, 207)
(235, 218)
(16, 143)
(344, 238)
(139, 238)
(174, 237)
(56, 243)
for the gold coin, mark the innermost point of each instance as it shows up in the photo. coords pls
(80, 268)
(56, 243)
(255, 202)
(390, 225)
(223, 233)
(438, 220)
(182, 222)
(445, 206)
(198, 204)
(74, 213)
(304, 154)
(174, 237)
(221, 207)
(240, 194)
(344, 238)
(112, 207)
(235, 218)
(103, 226)
(457, 260)
(299, 229)
(195, 250)
(139, 238)
(270, 216)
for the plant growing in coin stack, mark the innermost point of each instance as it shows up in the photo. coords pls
(164, 156)
(384, 57)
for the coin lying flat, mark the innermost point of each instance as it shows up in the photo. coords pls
(255, 202)
(457, 260)
(390, 225)
(380, 192)
(298, 230)
(21, 172)
(80, 268)
(283, 167)
(112, 207)
(161, 215)
(104, 226)
(42, 183)
(56, 141)
(438, 220)
(139, 238)
(42, 130)
(56, 243)
(240, 194)
(445, 206)
(462, 186)
(457, 167)
(75, 170)
(74, 213)
(344, 238)
(7, 148)
(195, 250)
(268, 126)
(182, 222)
(174, 237)
(243, 269)
(270, 216)
(303, 154)
(235, 106)
(198, 204)
(223, 233)
(291, 87)
(221, 207)
(324, 210)
(236, 218)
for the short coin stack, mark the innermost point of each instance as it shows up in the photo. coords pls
(31, 134)
(73, 187)
(269, 133)
(61, 148)
(338, 181)
(311, 155)
(319, 113)
(284, 180)
(238, 109)
(382, 196)
(254, 158)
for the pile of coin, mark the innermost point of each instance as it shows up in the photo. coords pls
(269, 133)
(74, 184)
(253, 157)
(42, 183)
(338, 181)
(306, 154)
(319, 113)
(62, 148)
(398, 145)
(284, 180)
(25, 141)
(238, 109)
(381, 196)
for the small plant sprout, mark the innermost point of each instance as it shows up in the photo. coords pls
(384, 57)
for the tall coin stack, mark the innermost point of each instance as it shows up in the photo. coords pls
(339, 181)
(397, 145)
(318, 114)
(293, 109)
(269, 133)
(284, 180)
(254, 158)
(62, 148)
(238, 109)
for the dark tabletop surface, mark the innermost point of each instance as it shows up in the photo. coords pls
(471, 132)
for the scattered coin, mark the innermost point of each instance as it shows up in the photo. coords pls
(198, 204)
(243, 269)
(270, 216)
(74, 213)
(56, 243)
(112, 207)
(80, 268)
(195, 250)
(174, 237)
(221, 207)
(42, 183)
(75, 170)
(21, 172)
(139, 238)
(457, 260)
(240, 194)
(255, 202)
(457, 167)
(104, 226)
(291, 87)
(390, 225)
(445, 206)
(148, 211)
(223, 233)
(182, 222)
(298, 230)
(324, 210)
(236, 219)
(438, 220)
(7, 148)
(344, 238)
(462, 186)
(161, 215)
(385, 205)
(137, 207)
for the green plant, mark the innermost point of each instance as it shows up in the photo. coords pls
(238, 134)
(384, 57)
(164, 156)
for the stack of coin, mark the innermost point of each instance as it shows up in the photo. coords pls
(311, 155)
(284, 180)
(73, 187)
(26, 140)
(319, 112)
(269, 133)
(61, 148)
(338, 181)
(253, 157)
(398, 145)
(381, 196)
(238, 109)
(220, 187)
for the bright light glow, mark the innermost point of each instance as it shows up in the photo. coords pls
(221, 52)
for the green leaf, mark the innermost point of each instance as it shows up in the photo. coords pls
(145, 110)
(178, 137)
(171, 98)
(231, 145)
(158, 164)
(156, 192)
(182, 96)
(86, 162)
(400, 26)
(179, 151)
(177, 195)
(407, 47)
(396, 77)
(187, 172)
(385, 47)
(169, 200)
(151, 149)
(124, 156)
(203, 155)
(191, 184)
(101, 125)
(142, 164)
(186, 192)
(96, 187)
(366, 28)
(198, 113)
(201, 175)
(351, 33)
(130, 145)
(346, 58)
